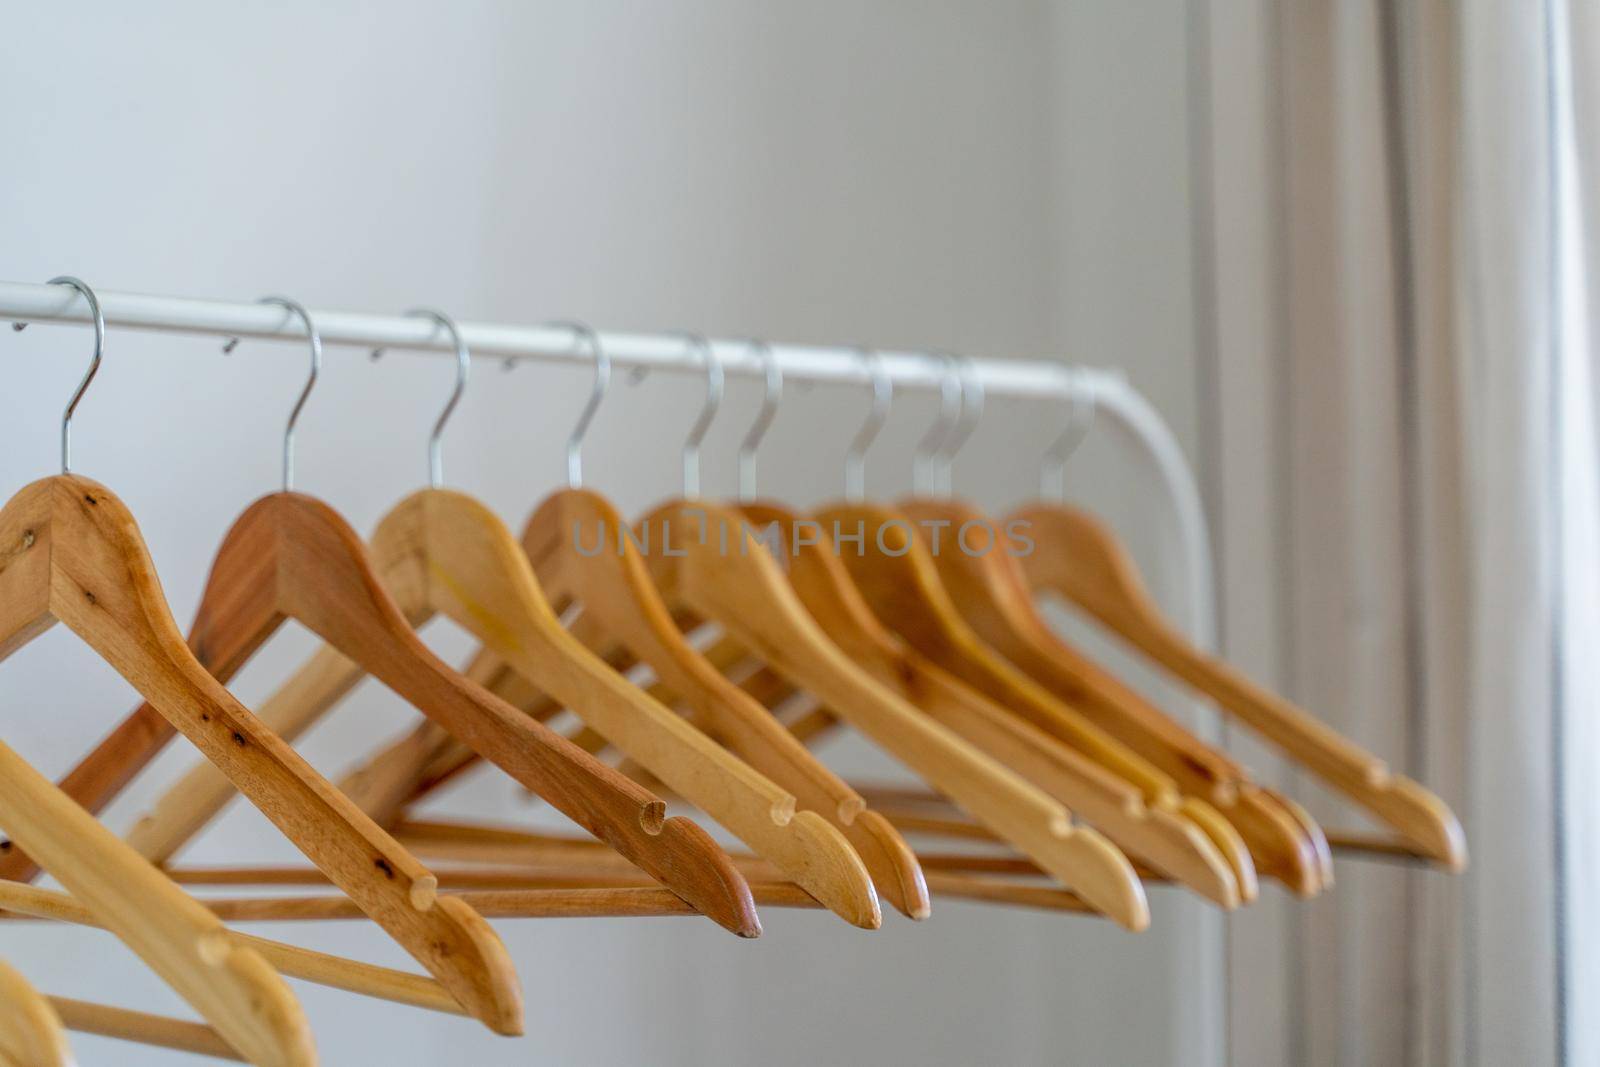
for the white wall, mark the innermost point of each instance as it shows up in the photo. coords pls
(1000, 178)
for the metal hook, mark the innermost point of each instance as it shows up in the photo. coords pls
(1083, 401)
(602, 382)
(463, 367)
(293, 307)
(930, 449)
(708, 411)
(855, 460)
(94, 362)
(770, 399)
(972, 401)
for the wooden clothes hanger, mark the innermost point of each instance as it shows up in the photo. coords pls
(291, 556)
(974, 622)
(1079, 560)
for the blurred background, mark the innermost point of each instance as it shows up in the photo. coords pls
(1340, 247)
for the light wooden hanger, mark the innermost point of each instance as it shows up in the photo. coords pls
(291, 556)
(987, 587)
(71, 552)
(735, 584)
(1077, 558)
(1106, 783)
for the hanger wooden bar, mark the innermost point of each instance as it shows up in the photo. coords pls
(141, 1028)
(631, 897)
(988, 891)
(319, 968)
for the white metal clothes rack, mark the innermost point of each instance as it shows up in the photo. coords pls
(1117, 402)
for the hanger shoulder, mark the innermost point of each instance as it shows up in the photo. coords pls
(1078, 558)
(436, 542)
(744, 592)
(620, 604)
(31, 1034)
(232, 987)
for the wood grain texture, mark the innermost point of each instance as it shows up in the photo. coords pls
(1079, 559)
(192, 802)
(31, 1034)
(102, 585)
(471, 568)
(621, 608)
(746, 593)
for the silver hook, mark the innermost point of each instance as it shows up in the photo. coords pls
(1083, 403)
(602, 382)
(708, 411)
(770, 399)
(293, 307)
(463, 367)
(855, 460)
(972, 400)
(930, 449)
(94, 362)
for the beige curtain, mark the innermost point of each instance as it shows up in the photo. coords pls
(1419, 374)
